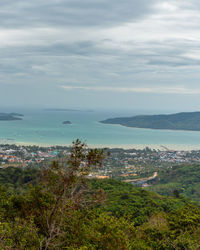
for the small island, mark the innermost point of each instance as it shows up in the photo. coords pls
(179, 121)
(61, 110)
(67, 110)
(67, 122)
(10, 116)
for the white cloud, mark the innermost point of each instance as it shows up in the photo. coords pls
(153, 90)
(167, 6)
(193, 54)
(124, 43)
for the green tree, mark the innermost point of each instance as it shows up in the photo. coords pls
(62, 190)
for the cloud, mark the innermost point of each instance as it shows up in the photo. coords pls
(153, 90)
(23, 13)
(128, 44)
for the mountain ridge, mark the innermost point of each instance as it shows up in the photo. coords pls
(178, 121)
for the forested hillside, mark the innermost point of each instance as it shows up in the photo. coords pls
(179, 121)
(183, 179)
(59, 208)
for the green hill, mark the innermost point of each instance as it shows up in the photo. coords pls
(179, 121)
(183, 178)
(57, 207)
(127, 218)
(137, 204)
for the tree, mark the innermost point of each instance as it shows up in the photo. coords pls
(176, 193)
(61, 191)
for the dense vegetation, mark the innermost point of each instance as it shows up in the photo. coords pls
(15, 179)
(183, 179)
(62, 209)
(180, 121)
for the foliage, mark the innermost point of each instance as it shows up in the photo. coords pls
(65, 210)
(184, 179)
(179, 121)
(134, 203)
(13, 178)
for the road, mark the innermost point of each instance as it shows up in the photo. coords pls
(145, 179)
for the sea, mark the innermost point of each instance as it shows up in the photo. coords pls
(46, 128)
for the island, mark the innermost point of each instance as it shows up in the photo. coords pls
(10, 116)
(67, 110)
(178, 121)
(66, 122)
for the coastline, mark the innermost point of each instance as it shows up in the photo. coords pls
(154, 129)
(163, 147)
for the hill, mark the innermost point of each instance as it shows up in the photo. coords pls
(179, 121)
(185, 179)
(128, 218)
(137, 204)
(10, 116)
(57, 207)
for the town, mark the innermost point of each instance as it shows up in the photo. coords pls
(123, 164)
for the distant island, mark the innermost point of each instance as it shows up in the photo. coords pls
(67, 110)
(66, 122)
(10, 116)
(179, 121)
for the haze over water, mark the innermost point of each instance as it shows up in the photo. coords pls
(46, 128)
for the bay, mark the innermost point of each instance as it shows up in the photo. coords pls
(46, 128)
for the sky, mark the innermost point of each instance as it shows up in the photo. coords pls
(120, 54)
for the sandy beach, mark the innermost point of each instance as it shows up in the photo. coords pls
(163, 147)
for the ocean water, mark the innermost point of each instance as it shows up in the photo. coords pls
(46, 128)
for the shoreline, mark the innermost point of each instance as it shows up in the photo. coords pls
(163, 147)
(154, 129)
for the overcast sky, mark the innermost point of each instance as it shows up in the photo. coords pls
(140, 54)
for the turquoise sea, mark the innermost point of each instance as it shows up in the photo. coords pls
(46, 128)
